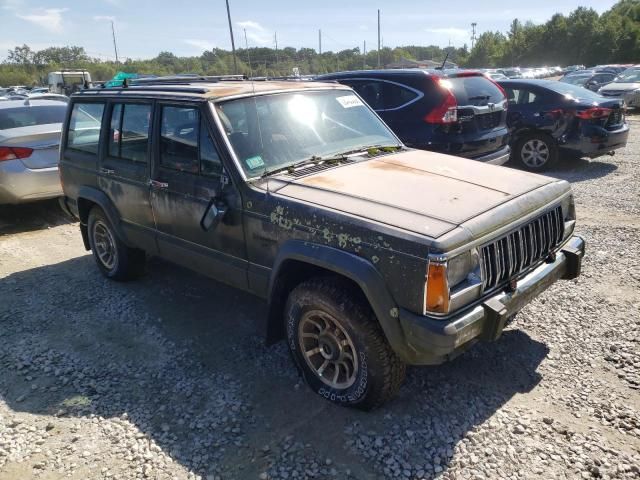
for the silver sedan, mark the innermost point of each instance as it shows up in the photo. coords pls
(30, 132)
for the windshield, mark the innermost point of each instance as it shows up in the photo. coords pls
(576, 79)
(628, 76)
(274, 131)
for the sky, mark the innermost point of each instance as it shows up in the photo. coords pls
(146, 27)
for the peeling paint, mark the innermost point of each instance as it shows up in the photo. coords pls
(375, 259)
(394, 313)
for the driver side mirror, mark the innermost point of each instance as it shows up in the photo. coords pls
(215, 213)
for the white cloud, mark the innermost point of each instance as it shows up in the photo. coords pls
(256, 33)
(451, 32)
(12, 5)
(105, 18)
(48, 18)
(201, 45)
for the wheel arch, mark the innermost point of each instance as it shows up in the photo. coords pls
(88, 197)
(298, 261)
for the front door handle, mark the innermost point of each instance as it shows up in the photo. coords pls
(107, 171)
(158, 184)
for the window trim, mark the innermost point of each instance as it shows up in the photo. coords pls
(419, 93)
(67, 125)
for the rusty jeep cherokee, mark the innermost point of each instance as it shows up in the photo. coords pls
(371, 255)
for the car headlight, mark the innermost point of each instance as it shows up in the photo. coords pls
(451, 282)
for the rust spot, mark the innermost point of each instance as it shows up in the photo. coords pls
(322, 181)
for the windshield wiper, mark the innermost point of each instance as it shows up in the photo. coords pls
(365, 149)
(287, 168)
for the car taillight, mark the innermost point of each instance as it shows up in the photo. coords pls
(447, 111)
(593, 113)
(11, 153)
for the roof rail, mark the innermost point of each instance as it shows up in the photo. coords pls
(183, 79)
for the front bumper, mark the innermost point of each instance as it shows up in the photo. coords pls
(21, 184)
(431, 341)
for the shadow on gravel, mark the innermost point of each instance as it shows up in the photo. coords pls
(31, 216)
(575, 170)
(179, 355)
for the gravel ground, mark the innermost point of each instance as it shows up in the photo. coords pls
(167, 377)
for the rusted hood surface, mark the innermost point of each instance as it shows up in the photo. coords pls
(423, 192)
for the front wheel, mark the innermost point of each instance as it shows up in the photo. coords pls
(536, 152)
(339, 347)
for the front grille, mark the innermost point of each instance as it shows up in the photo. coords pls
(487, 121)
(615, 118)
(514, 253)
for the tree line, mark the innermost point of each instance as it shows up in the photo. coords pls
(582, 37)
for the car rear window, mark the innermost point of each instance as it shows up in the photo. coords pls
(32, 115)
(573, 91)
(475, 90)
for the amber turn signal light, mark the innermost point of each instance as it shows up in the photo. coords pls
(436, 289)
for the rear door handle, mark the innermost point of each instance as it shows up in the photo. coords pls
(107, 171)
(157, 184)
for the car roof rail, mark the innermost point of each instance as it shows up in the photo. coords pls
(185, 79)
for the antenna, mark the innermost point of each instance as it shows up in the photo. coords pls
(115, 46)
(246, 44)
(319, 42)
(275, 39)
(233, 43)
(445, 61)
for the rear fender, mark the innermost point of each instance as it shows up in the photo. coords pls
(87, 198)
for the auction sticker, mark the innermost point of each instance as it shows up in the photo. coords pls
(349, 101)
(254, 162)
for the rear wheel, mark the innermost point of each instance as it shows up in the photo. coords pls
(536, 152)
(114, 259)
(339, 347)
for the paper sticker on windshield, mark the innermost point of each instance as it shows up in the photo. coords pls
(349, 101)
(254, 162)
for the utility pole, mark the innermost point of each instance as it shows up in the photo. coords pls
(233, 43)
(378, 38)
(364, 54)
(275, 39)
(319, 42)
(473, 34)
(115, 45)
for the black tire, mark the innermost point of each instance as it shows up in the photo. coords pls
(378, 372)
(536, 152)
(126, 263)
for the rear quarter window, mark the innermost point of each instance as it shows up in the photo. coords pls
(28, 116)
(475, 90)
(84, 127)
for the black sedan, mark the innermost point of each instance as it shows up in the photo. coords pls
(591, 80)
(547, 117)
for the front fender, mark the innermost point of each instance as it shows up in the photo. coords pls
(348, 265)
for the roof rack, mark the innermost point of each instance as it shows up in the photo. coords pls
(184, 79)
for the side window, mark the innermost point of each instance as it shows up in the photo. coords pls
(210, 163)
(395, 96)
(84, 127)
(370, 91)
(526, 97)
(512, 95)
(179, 138)
(129, 131)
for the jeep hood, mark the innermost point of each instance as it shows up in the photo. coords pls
(424, 192)
(620, 86)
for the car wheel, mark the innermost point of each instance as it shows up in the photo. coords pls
(115, 260)
(339, 347)
(536, 152)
